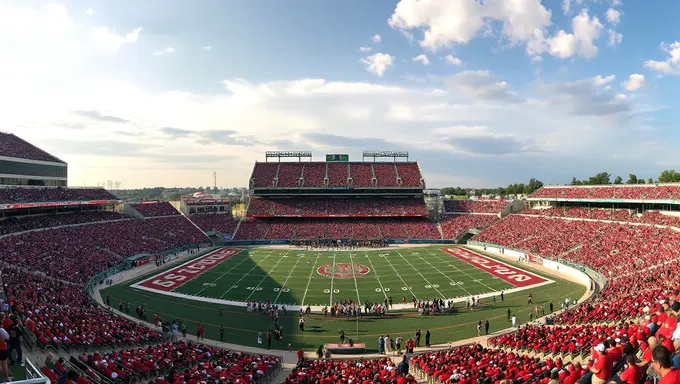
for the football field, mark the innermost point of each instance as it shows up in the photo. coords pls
(293, 277)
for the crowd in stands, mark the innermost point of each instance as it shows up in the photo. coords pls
(454, 225)
(611, 214)
(33, 195)
(77, 253)
(182, 362)
(474, 364)
(474, 206)
(13, 146)
(632, 192)
(220, 222)
(155, 209)
(337, 228)
(26, 223)
(558, 340)
(354, 174)
(337, 207)
(382, 371)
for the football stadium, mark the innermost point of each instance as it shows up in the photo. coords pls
(336, 265)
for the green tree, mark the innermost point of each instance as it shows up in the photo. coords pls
(575, 181)
(650, 181)
(632, 179)
(669, 176)
(618, 180)
(601, 178)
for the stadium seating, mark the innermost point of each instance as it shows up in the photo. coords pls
(338, 174)
(474, 206)
(337, 207)
(34, 195)
(77, 253)
(289, 175)
(193, 363)
(346, 371)
(454, 225)
(410, 175)
(361, 174)
(155, 209)
(264, 174)
(220, 222)
(26, 223)
(13, 146)
(474, 363)
(314, 175)
(386, 174)
(632, 192)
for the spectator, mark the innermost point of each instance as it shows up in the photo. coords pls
(663, 365)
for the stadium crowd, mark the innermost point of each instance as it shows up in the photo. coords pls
(155, 209)
(632, 192)
(33, 195)
(474, 206)
(27, 223)
(337, 207)
(382, 371)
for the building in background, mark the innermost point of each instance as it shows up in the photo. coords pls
(22, 163)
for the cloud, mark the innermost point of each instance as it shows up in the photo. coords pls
(670, 66)
(615, 38)
(481, 85)
(634, 82)
(376, 38)
(164, 51)
(586, 30)
(479, 140)
(453, 60)
(89, 12)
(336, 141)
(585, 98)
(364, 49)
(378, 63)
(108, 39)
(422, 58)
(96, 115)
(566, 6)
(599, 80)
(176, 132)
(613, 16)
(459, 21)
(207, 48)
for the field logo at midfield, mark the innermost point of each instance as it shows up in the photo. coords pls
(343, 270)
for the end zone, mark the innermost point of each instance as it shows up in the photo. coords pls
(512, 275)
(173, 278)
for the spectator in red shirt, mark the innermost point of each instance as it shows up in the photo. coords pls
(602, 366)
(632, 373)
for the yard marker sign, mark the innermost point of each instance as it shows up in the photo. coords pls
(510, 274)
(173, 278)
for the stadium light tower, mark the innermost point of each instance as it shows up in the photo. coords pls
(214, 180)
(117, 184)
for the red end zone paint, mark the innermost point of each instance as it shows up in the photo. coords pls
(510, 274)
(171, 279)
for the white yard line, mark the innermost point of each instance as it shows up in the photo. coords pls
(356, 286)
(375, 272)
(478, 281)
(332, 279)
(444, 274)
(287, 278)
(266, 276)
(244, 276)
(222, 275)
(310, 278)
(402, 280)
(421, 275)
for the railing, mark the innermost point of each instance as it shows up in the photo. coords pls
(33, 374)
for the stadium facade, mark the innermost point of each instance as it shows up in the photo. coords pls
(22, 163)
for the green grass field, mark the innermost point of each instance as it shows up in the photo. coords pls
(293, 277)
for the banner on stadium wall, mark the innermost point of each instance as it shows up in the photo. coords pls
(150, 202)
(55, 204)
(535, 259)
(335, 157)
(207, 201)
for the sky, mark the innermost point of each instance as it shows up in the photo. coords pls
(481, 93)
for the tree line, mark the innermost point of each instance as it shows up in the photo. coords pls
(602, 178)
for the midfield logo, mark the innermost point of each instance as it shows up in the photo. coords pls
(343, 270)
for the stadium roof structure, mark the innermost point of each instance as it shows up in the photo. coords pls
(13, 146)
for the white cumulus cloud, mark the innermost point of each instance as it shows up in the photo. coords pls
(376, 38)
(164, 51)
(615, 38)
(670, 66)
(365, 49)
(422, 58)
(634, 82)
(613, 16)
(599, 80)
(378, 63)
(453, 60)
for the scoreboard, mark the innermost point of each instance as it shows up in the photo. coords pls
(337, 157)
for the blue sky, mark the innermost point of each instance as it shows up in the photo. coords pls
(482, 94)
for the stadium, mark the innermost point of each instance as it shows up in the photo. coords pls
(355, 265)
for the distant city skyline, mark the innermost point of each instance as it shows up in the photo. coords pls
(164, 93)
